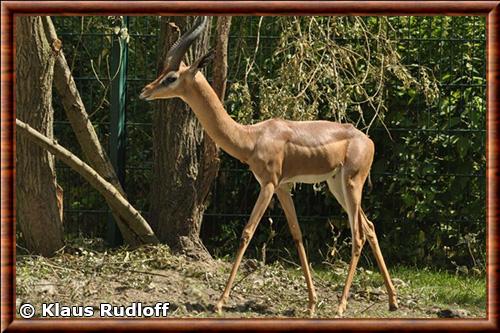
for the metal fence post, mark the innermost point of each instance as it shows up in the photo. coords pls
(119, 57)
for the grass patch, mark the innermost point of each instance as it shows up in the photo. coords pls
(444, 287)
(87, 273)
(417, 288)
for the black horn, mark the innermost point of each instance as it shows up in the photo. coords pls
(177, 51)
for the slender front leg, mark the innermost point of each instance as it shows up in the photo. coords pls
(266, 193)
(291, 216)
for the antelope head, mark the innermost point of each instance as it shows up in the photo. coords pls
(177, 77)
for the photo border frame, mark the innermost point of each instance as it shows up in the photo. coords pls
(9, 9)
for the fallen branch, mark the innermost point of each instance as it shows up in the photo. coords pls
(144, 272)
(368, 307)
(119, 204)
(85, 133)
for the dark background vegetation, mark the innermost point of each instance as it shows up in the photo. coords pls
(429, 185)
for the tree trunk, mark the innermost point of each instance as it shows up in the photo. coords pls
(77, 115)
(37, 210)
(220, 59)
(219, 85)
(135, 223)
(182, 172)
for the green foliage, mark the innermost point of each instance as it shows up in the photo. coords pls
(422, 80)
(327, 68)
(438, 165)
(416, 84)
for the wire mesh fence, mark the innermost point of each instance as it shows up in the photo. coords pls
(429, 169)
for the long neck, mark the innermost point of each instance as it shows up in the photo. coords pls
(232, 137)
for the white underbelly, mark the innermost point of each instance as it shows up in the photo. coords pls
(310, 179)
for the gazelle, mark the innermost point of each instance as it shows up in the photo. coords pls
(280, 153)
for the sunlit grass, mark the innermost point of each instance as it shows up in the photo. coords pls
(445, 287)
(427, 287)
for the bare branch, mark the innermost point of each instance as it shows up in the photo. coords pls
(129, 215)
(83, 128)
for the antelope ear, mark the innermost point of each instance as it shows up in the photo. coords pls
(202, 61)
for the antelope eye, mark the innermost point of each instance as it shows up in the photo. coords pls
(168, 80)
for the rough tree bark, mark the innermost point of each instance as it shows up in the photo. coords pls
(184, 166)
(36, 187)
(219, 83)
(115, 199)
(85, 133)
(220, 59)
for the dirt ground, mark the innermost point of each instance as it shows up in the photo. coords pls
(87, 277)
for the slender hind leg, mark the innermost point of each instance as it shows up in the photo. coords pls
(335, 187)
(291, 216)
(351, 190)
(369, 231)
